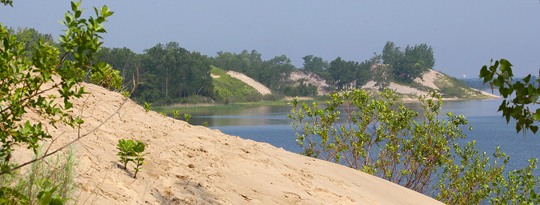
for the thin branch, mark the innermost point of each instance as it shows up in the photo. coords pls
(68, 144)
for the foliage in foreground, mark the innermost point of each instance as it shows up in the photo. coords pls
(389, 141)
(44, 82)
(44, 182)
(526, 93)
(22, 79)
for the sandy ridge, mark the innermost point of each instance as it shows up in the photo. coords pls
(195, 165)
(311, 78)
(244, 78)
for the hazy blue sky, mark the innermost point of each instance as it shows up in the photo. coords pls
(464, 34)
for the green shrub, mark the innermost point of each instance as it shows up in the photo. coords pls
(24, 79)
(377, 126)
(388, 141)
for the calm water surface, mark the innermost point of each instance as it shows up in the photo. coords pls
(270, 124)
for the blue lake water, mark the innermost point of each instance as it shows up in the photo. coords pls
(270, 124)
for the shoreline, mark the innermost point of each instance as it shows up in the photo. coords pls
(286, 100)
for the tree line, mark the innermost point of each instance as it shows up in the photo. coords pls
(168, 73)
(394, 64)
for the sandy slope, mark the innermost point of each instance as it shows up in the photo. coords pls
(428, 80)
(311, 78)
(244, 78)
(195, 165)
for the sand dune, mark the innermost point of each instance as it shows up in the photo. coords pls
(195, 165)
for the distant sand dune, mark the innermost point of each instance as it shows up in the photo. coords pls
(244, 78)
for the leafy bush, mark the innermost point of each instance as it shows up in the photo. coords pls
(25, 78)
(408, 152)
(388, 141)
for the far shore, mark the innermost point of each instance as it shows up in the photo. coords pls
(286, 100)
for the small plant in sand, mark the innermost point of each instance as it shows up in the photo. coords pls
(176, 114)
(163, 113)
(147, 106)
(125, 93)
(131, 151)
(125, 148)
(205, 124)
(187, 116)
(139, 157)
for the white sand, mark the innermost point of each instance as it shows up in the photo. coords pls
(428, 79)
(396, 87)
(195, 165)
(244, 78)
(311, 78)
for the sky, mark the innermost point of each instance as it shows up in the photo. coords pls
(464, 34)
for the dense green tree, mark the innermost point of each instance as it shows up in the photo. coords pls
(410, 63)
(363, 73)
(168, 73)
(350, 74)
(195, 76)
(391, 54)
(318, 66)
(275, 70)
(269, 72)
(315, 64)
(343, 72)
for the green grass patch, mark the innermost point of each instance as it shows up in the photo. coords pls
(231, 90)
(452, 87)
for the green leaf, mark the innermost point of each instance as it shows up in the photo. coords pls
(68, 105)
(536, 116)
(484, 72)
(73, 6)
(527, 79)
(56, 201)
(534, 128)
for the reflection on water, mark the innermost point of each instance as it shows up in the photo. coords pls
(249, 115)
